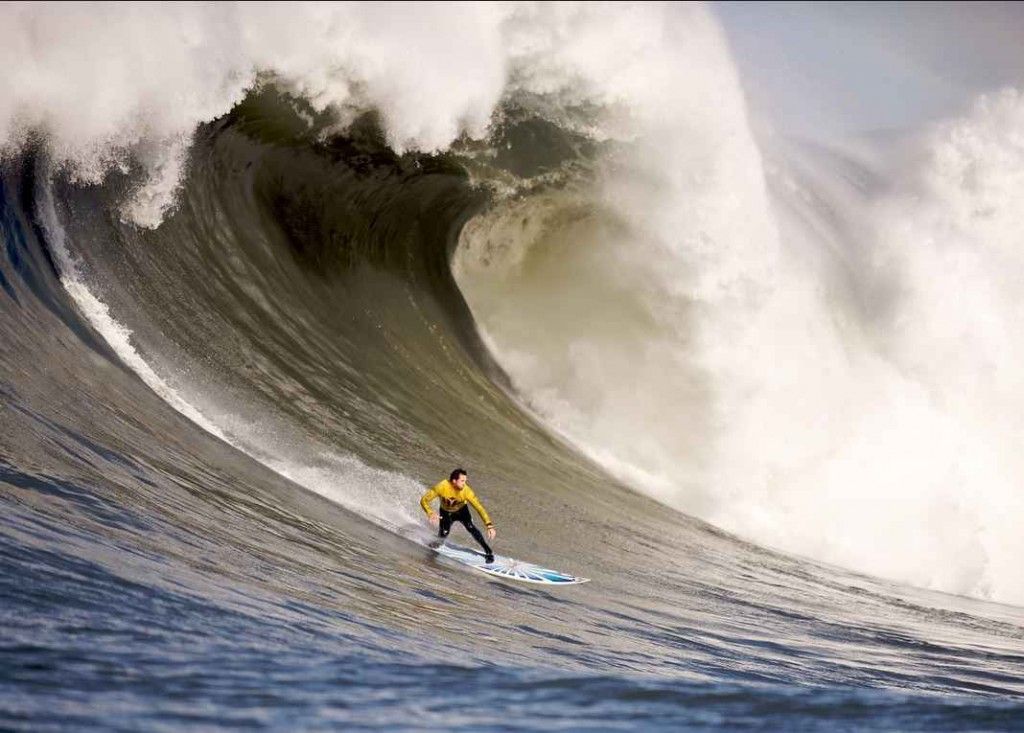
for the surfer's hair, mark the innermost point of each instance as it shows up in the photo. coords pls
(456, 473)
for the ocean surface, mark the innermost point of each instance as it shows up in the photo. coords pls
(216, 431)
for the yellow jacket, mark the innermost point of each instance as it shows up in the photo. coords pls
(452, 500)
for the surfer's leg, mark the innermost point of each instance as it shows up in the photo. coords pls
(443, 528)
(445, 525)
(466, 518)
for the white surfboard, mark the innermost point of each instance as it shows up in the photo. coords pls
(507, 567)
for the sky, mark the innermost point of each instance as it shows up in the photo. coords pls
(822, 69)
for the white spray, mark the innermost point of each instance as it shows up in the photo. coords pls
(112, 83)
(701, 356)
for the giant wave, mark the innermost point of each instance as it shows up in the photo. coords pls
(537, 251)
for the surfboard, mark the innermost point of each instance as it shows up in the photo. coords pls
(507, 567)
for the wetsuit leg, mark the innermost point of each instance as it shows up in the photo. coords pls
(464, 516)
(445, 525)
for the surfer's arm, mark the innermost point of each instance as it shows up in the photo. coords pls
(426, 499)
(480, 509)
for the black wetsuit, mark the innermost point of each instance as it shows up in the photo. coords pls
(462, 515)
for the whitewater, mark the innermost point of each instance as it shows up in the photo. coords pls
(270, 271)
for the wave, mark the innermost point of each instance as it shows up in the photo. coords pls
(644, 228)
(357, 273)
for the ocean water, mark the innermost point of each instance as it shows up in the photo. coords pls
(246, 326)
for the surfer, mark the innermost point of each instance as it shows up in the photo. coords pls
(455, 494)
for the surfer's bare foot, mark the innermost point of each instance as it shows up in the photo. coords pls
(489, 559)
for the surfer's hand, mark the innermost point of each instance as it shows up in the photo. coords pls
(434, 518)
(491, 532)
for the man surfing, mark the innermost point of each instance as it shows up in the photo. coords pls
(455, 493)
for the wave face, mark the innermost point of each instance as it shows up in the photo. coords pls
(220, 414)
